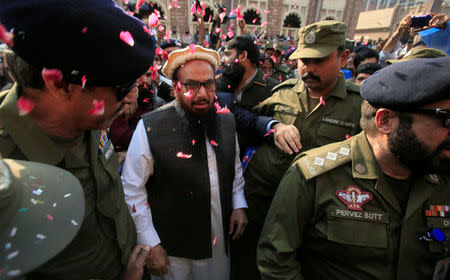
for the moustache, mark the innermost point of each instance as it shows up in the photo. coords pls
(200, 101)
(310, 76)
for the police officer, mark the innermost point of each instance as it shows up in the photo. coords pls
(280, 72)
(321, 107)
(375, 206)
(74, 64)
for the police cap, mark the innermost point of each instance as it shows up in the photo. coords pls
(92, 38)
(408, 85)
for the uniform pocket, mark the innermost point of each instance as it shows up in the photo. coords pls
(364, 229)
(444, 225)
(285, 114)
(334, 132)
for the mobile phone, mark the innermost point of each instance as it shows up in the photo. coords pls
(420, 21)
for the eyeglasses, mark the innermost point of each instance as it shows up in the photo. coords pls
(124, 89)
(209, 85)
(443, 114)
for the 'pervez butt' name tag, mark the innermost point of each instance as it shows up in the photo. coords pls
(359, 215)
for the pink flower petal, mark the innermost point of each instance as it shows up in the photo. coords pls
(222, 16)
(193, 8)
(266, 11)
(270, 132)
(159, 51)
(206, 44)
(50, 217)
(178, 88)
(84, 31)
(264, 23)
(322, 102)
(215, 240)
(6, 37)
(98, 108)
(125, 2)
(257, 11)
(193, 142)
(214, 143)
(83, 81)
(254, 20)
(223, 110)
(127, 38)
(188, 94)
(218, 30)
(192, 48)
(52, 74)
(153, 20)
(210, 17)
(182, 155)
(24, 105)
(230, 34)
(139, 4)
(216, 104)
(236, 60)
(223, 36)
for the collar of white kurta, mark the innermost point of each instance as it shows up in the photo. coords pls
(193, 52)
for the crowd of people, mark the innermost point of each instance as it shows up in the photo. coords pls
(128, 154)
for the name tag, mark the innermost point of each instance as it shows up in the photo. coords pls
(359, 215)
(338, 122)
(438, 222)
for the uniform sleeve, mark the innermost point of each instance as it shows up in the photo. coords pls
(238, 183)
(281, 237)
(137, 168)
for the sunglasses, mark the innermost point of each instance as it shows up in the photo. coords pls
(123, 89)
(440, 113)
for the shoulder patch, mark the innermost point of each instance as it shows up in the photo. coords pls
(287, 83)
(320, 160)
(352, 87)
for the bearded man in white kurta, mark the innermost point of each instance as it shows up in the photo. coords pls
(182, 177)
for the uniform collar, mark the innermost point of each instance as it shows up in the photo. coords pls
(339, 90)
(364, 164)
(26, 134)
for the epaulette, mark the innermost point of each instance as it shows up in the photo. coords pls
(283, 68)
(320, 160)
(259, 83)
(352, 87)
(287, 83)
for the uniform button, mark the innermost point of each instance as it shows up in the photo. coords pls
(360, 168)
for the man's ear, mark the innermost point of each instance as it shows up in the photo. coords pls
(385, 120)
(56, 87)
(344, 57)
(243, 56)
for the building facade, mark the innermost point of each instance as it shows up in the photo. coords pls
(271, 17)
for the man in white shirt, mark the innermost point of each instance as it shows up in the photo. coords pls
(182, 177)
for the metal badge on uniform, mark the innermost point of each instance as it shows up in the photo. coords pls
(310, 37)
(354, 197)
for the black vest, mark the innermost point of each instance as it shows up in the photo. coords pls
(179, 191)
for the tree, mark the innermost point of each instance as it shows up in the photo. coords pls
(250, 16)
(292, 20)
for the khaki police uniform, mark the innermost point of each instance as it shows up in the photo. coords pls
(107, 235)
(336, 216)
(319, 123)
(282, 73)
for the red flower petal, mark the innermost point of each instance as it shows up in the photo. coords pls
(24, 105)
(127, 38)
(98, 108)
(322, 101)
(214, 143)
(153, 20)
(83, 81)
(230, 34)
(134, 208)
(192, 48)
(6, 37)
(264, 23)
(193, 142)
(52, 74)
(182, 155)
(139, 4)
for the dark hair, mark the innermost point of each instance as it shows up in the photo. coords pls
(23, 73)
(368, 68)
(363, 53)
(340, 49)
(245, 43)
(266, 58)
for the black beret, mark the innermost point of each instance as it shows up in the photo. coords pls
(410, 84)
(79, 37)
